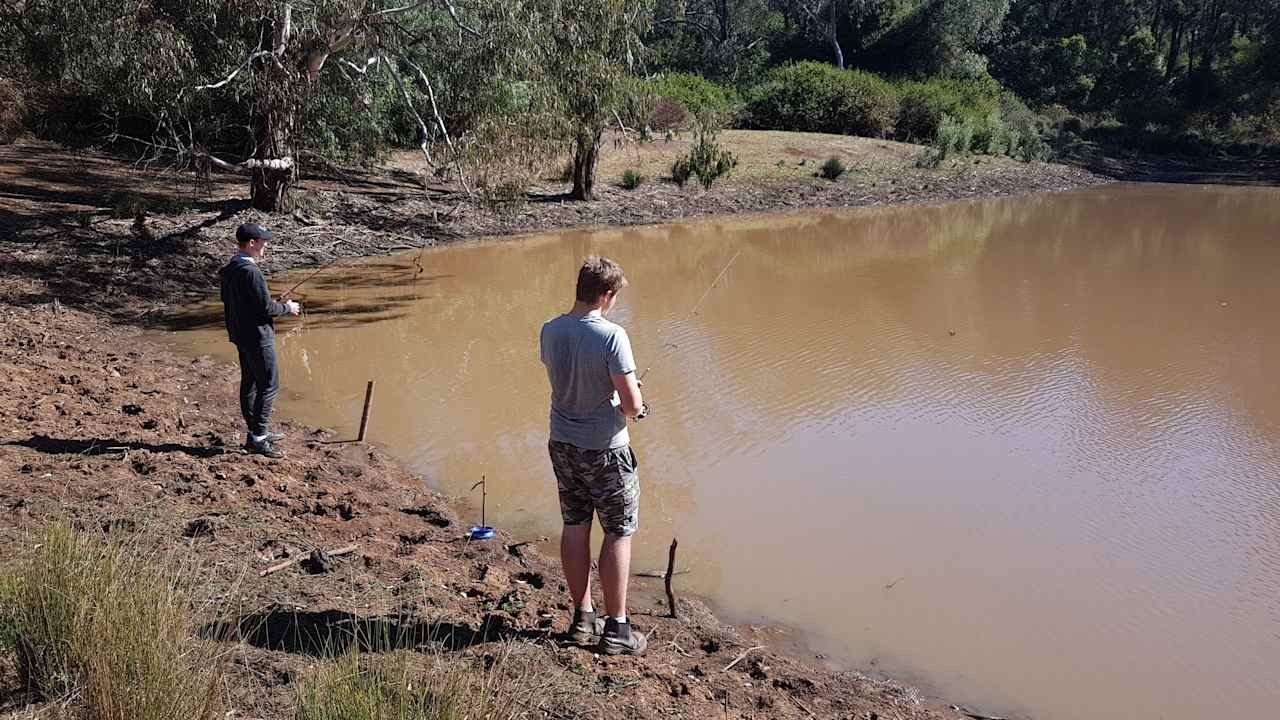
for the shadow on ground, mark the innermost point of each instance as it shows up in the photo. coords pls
(333, 632)
(99, 446)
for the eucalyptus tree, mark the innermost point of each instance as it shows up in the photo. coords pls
(592, 48)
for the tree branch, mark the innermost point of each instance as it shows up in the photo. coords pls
(453, 13)
(426, 134)
(254, 54)
(435, 110)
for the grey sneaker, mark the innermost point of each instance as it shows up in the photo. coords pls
(271, 437)
(264, 448)
(585, 626)
(619, 639)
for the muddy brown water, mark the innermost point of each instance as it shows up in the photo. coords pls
(1025, 452)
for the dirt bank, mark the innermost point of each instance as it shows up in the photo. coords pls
(114, 432)
(97, 423)
(127, 242)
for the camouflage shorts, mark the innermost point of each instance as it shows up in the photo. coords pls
(600, 481)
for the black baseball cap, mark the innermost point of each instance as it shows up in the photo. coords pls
(252, 231)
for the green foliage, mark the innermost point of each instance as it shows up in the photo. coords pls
(706, 161)
(356, 687)
(98, 617)
(816, 97)
(631, 179)
(733, 50)
(698, 97)
(833, 168)
(923, 104)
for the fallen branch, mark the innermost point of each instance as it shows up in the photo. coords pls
(282, 565)
(659, 573)
(738, 659)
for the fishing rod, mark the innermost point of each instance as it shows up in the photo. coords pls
(300, 283)
(694, 311)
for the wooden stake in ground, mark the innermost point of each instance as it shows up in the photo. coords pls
(671, 569)
(364, 416)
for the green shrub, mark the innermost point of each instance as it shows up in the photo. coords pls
(706, 161)
(96, 617)
(923, 104)
(695, 96)
(833, 168)
(631, 179)
(954, 137)
(816, 97)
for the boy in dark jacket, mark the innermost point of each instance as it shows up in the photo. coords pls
(248, 310)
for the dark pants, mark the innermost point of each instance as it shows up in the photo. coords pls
(259, 382)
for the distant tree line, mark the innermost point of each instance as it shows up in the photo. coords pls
(262, 87)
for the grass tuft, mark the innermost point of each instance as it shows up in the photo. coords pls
(631, 180)
(412, 686)
(91, 617)
(832, 169)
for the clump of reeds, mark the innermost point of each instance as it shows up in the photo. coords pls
(95, 617)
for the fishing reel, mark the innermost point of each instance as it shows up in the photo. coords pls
(644, 411)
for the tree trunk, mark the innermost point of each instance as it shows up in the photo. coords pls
(269, 189)
(1175, 49)
(272, 167)
(585, 157)
(833, 27)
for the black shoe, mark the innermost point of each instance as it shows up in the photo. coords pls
(585, 626)
(264, 448)
(619, 639)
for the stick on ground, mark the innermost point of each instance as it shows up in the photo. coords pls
(738, 659)
(282, 565)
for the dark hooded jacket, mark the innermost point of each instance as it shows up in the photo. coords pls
(247, 305)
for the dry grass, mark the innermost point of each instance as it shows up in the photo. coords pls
(763, 156)
(408, 685)
(108, 628)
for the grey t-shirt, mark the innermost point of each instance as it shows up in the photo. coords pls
(580, 354)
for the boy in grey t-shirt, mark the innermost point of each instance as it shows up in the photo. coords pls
(593, 391)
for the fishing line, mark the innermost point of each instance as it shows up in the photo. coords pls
(669, 347)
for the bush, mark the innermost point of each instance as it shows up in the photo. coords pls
(667, 115)
(706, 161)
(696, 96)
(631, 179)
(923, 104)
(816, 97)
(94, 616)
(832, 168)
